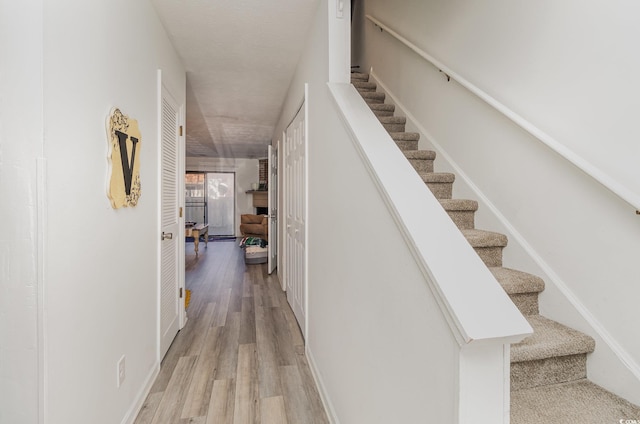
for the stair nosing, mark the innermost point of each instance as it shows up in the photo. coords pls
(437, 177)
(550, 339)
(420, 154)
(382, 107)
(514, 281)
(364, 84)
(392, 119)
(462, 205)
(405, 136)
(484, 238)
(372, 95)
(360, 76)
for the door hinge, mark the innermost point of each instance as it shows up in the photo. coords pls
(180, 292)
(180, 211)
(180, 130)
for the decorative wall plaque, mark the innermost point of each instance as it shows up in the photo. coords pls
(124, 159)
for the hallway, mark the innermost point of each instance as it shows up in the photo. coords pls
(240, 358)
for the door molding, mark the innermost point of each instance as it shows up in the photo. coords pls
(165, 93)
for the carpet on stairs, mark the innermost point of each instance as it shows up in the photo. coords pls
(548, 369)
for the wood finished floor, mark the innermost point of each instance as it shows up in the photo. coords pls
(240, 358)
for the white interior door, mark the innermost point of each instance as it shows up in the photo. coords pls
(295, 216)
(170, 314)
(273, 208)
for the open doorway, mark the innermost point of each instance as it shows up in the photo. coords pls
(210, 199)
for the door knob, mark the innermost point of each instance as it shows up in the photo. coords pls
(167, 236)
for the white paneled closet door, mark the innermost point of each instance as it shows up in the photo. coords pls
(295, 216)
(169, 319)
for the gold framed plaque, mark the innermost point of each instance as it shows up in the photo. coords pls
(124, 159)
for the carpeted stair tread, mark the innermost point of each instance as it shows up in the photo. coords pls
(393, 123)
(405, 136)
(420, 154)
(373, 96)
(459, 205)
(461, 211)
(574, 402)
(359, 76)
(420, 160)
(384, 107)
(550, 339)
(482, 238)
(364, 85)
(437, 177)
(517, 282)
(392, 119)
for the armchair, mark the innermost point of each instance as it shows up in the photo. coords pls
(254, 226)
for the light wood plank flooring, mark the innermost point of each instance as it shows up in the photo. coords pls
(240, 358)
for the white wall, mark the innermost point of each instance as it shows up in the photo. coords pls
(563, 65)
(313, 67)
(101, 264)
(366, 357)
(568, 68)
(21, 129)
(372, 318)
(246, 173)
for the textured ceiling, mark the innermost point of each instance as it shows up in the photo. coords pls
(240, 56)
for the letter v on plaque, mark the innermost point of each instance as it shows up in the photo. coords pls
(124, 159)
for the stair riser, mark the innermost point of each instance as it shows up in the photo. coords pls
(463, 219)
(359, 76)
(363, 84)
(364, 87)
(380, 113)
(441, 190)
(394, 127)
(422, 165)
(527, 303)
(491, 256)
(407, 145)
(373, 95)
(383, 107)
(374, 101)
(543, 372)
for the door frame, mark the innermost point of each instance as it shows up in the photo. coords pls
(282, 272)
(182, 136)
(182, 316)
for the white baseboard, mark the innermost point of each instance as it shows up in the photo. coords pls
(136, 406)
(324, 396)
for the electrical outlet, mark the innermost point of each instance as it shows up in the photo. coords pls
(121, 371)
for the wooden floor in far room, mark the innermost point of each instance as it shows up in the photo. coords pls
(240, 358)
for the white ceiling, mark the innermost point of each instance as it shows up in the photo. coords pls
(240, 56)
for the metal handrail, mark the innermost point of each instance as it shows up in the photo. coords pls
(581, 163)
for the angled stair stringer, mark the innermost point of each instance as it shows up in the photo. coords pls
(554, 358)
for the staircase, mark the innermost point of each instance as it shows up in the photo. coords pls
(548, 369)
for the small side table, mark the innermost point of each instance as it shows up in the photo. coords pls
(196, 231)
